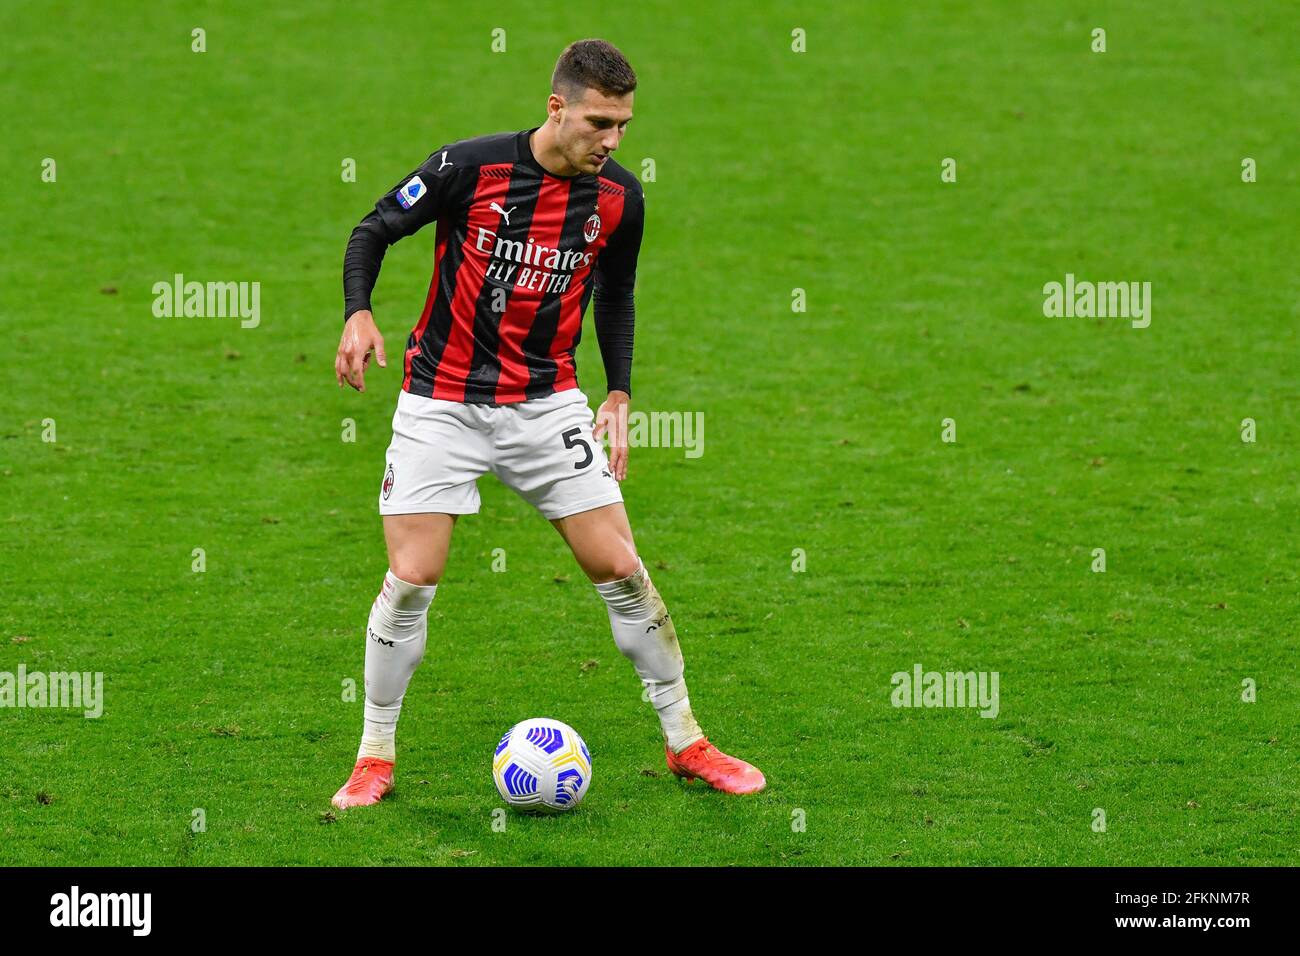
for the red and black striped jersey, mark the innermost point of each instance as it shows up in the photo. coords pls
(518, 254)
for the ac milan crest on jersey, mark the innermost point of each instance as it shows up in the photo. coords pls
(389, 480)
(591, 231)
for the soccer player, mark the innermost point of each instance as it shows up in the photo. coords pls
(530, 226)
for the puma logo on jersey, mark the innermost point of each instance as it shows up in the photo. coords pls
(505, 213)
(445, 163)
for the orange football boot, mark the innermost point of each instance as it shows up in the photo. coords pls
(705, 761)
(371, 781)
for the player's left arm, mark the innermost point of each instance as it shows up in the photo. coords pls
(614, 310)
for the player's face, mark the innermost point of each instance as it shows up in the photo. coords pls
(591, 128)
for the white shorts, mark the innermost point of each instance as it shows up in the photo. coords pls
(542, 448)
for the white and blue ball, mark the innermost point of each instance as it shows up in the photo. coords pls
(542, 766)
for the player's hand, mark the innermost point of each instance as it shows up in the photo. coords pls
(611, 417)
(360, 339)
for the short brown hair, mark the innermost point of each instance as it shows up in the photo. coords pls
(592, 64)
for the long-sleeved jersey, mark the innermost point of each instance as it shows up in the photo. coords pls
(518, 254)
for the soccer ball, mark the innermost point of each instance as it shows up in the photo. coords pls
(541, 766)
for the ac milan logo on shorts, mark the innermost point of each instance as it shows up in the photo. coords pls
(592, 229)
(389, 479)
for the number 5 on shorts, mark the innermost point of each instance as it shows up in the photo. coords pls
(571, 440)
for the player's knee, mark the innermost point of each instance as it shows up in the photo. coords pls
(619, 567)
(414, 573)
(627, 594)
(399, 614)
(625, 567)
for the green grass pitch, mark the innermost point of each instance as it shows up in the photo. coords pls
(775, 170)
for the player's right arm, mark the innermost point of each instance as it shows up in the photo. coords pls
(413, 203)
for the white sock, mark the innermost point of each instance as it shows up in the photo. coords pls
(395, 640)
(644, 632)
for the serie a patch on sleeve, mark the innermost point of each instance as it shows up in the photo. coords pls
(410, 194)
